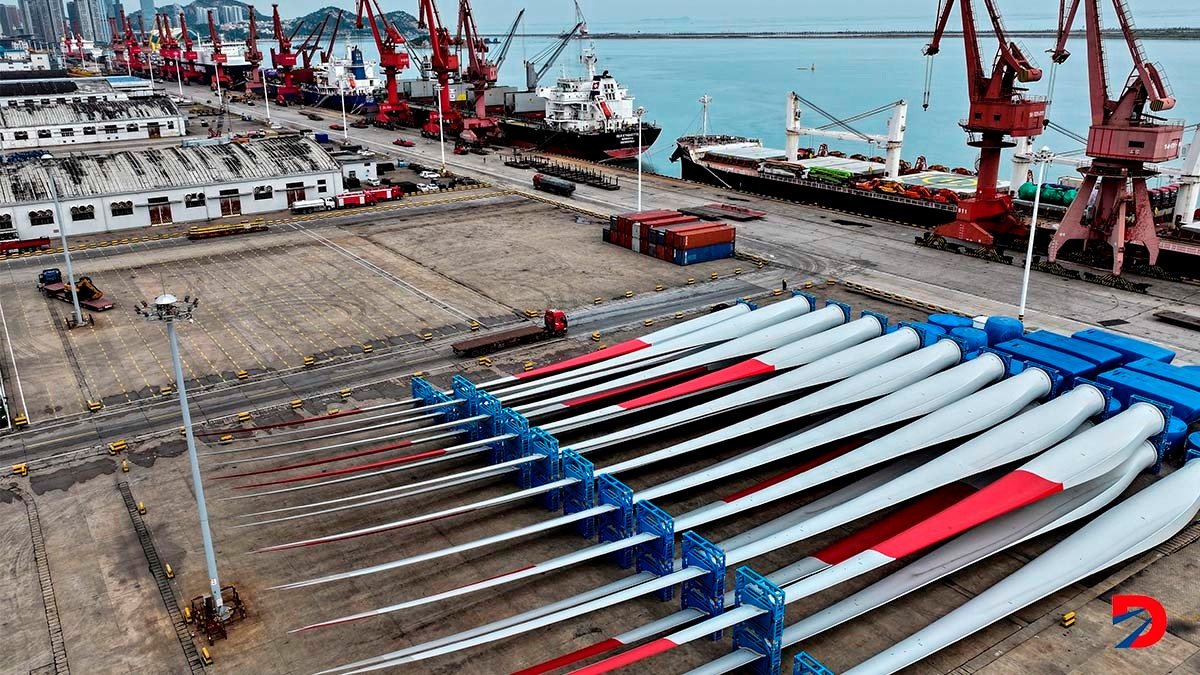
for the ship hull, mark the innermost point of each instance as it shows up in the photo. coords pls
(872, 204)
(333, 101)
(604, 146)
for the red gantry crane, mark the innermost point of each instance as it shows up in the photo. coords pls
(218, 57)
(118, 46)
(254, 56)
(328, 51)
(999, 109)
(393, 57)
(283, 60)
(444, 63)
(188, 55)
(133, 48)
(1122, 139)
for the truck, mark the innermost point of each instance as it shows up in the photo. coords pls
(554, 324)
(364, 197)
(52, 285)
(553, 185)
(24, 245)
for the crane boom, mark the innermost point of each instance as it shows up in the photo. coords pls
(502, 54)
(254, 55)
(325, 55)
(392, 59)
(533, 74)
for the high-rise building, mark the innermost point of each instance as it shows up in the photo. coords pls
(90, 21)
(232, 14)
(73, 17)
(44, 18)
(12, 20)
(147, 7)
(200, 15)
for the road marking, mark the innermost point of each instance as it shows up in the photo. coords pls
(16, 373)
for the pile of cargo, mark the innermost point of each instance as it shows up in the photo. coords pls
(672, 236)
(1052, 193)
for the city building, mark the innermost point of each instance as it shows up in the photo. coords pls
(148, 11)
(93, 22)
(12, 20)
(161, 185)
(200, 15)
(45, 21)
(232, 14)
(81, 123)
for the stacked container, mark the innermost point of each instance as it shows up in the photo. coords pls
(672, 236)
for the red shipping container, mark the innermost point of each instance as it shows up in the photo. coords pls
(722, 234)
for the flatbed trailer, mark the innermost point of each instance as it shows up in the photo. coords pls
(554, 325)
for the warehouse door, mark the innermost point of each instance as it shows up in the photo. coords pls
(231, 203)
(160, 214)
(153, 130)
(295, 193)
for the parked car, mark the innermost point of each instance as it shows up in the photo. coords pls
(372, 182)
(426, 187)
(429, 175)
(360, 125)
(403, 142)
(337, 127)
(313, 116)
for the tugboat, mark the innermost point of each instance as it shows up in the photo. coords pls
(591, 118)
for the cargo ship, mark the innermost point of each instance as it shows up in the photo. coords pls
(590, 117)
(845, 183)
(352, 73)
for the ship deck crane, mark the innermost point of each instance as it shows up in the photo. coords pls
(254, 56)
(327, 53)
(1124, 136)
(502, 53)
(312, 42)
(534, 74)
(393, 57)
(283, 60)
(444, 63)
(999, 110)
(168, 49)
(218, 80)
(188, 55)
(481, 72)
(892, 141)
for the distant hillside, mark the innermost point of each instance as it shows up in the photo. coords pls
(403, 21)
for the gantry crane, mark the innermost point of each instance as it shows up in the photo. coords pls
(1123, 137)
(999, 110)
(444, 63)
(133, 48)
(189, 54)
(327, 53)
(219, 79)
(283, 60)
(118, 45)
(312, 42)
(393, 57)
(254, 56)
(168, 49)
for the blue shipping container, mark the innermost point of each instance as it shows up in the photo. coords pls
(321, 137)
(703, 254)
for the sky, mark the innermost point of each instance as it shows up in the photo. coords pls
(715, 15)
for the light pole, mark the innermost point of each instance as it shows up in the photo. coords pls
(266, 96)
(639, 112)
(437, 92)
(62, 235)
(179, 75)
(1041, 158)
(169, 310)
(342, 91)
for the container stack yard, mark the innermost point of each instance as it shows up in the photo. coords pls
(284, 394)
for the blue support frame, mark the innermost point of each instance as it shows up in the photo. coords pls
(549, 468)
(764, 633)
(617, 524)
(747, 303)
(705, 593)
(847, 310)
(468, 392)
(883, 318)
(1161, 441)
(512, 422)
(805, 664)
(489, 405)
(580, 495)
(422, 389)
(812, 299)
(658, 555)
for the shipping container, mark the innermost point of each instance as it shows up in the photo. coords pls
(721, 234)
(703, 254)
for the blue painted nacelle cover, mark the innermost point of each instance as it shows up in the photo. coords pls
(1188, 376)
(1132, 348)
(1184, 402)
(1070, 367)
(1103, 357)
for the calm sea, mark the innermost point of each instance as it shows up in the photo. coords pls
(748, 80)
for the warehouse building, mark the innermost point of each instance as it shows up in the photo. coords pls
(21, 88)
(158, 186)
(38, 125)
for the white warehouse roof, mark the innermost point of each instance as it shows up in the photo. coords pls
(82, 112)
(163, 168)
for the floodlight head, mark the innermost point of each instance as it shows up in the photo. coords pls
(165, 300)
